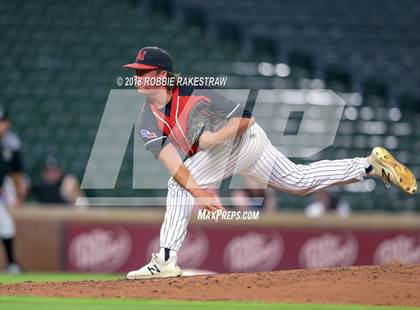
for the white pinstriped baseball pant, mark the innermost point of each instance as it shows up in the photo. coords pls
(252, 155)
(7, 224)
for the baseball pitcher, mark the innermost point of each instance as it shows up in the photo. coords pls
(219, 139)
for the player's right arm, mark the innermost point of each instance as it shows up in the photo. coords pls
(158, 143)
(173, 162)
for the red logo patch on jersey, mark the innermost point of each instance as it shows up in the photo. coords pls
(140, 56)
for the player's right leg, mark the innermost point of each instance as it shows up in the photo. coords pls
(391, 171)
(275, 170)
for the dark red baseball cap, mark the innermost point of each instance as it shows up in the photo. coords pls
(152, 57)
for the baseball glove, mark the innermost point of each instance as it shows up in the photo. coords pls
(201, 119)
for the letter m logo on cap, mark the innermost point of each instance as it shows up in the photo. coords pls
(140, 56)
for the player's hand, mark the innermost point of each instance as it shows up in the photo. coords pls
(207, 201)
(208, 140)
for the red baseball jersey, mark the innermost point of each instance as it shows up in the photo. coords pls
(169, 124)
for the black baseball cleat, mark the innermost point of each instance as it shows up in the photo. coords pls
(386, 166)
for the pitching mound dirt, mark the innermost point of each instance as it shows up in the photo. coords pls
(369, 285)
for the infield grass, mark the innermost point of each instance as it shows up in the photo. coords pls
(42, 277)
(42, 303)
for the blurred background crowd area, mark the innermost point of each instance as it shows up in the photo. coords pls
(60, 59)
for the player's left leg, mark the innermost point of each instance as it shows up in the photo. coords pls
(179, 206)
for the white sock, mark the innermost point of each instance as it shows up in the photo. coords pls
(368, 167)
(162, 253)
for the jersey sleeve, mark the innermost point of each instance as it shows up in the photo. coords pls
(224, 107)
(16, 163)
(14, 144)
(154, 139)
